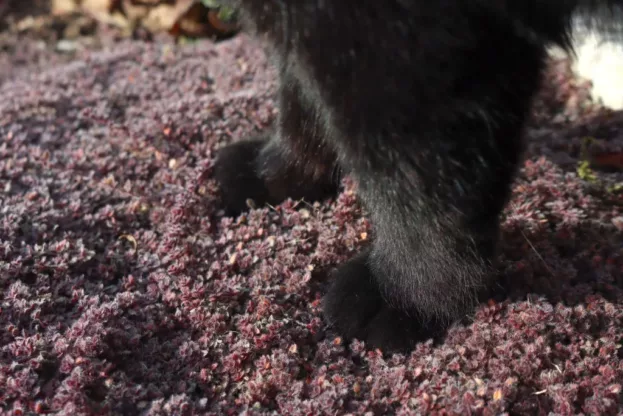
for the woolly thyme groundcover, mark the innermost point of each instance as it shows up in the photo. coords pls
(124, 291)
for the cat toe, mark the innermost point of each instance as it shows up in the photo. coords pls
(238, 179)
(356, 309)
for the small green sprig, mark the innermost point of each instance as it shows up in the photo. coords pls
(584, 166)
(585, 172)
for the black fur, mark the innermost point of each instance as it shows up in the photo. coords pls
(421, 101)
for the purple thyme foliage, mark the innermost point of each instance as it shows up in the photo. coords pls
(124, 291)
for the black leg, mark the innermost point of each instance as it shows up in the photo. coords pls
(293, 162)
(434, 184)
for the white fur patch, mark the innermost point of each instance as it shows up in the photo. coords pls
(600, 60)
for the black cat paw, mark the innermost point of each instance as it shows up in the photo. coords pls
(355, 308)
(235, 170)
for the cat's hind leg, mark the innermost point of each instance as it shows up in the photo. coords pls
(293, 161)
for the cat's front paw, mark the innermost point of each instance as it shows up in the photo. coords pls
(235, 170)
(355, 308)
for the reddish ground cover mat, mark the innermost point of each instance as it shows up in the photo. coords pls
(124, 290)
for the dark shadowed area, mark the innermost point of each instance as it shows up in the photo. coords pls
(124, 291)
